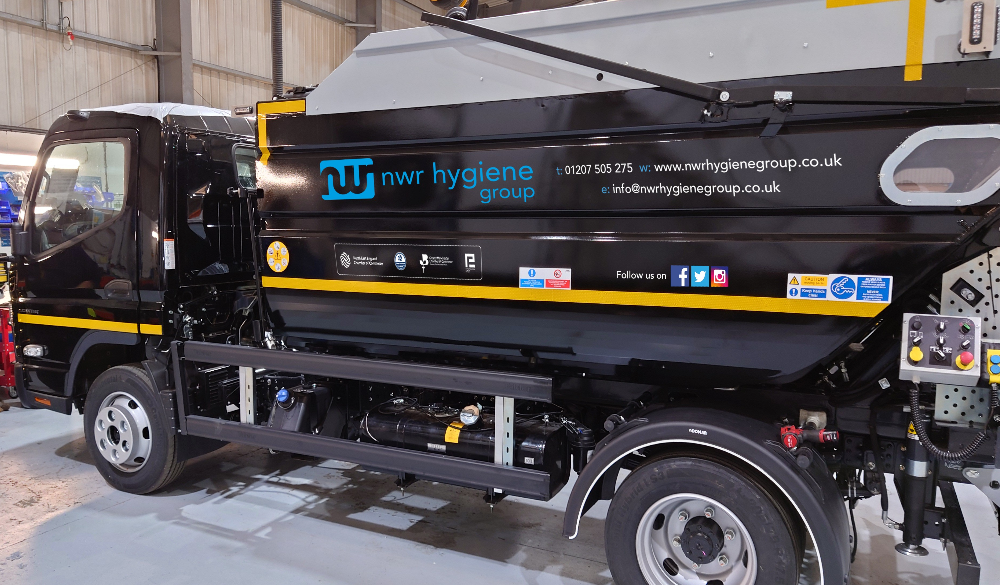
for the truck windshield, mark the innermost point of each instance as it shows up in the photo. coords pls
(83, 186)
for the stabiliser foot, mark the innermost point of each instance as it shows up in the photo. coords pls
(911, 550)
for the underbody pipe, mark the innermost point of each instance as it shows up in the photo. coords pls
(277, 50)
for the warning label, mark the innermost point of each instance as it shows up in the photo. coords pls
(839, 287)
(545, 278)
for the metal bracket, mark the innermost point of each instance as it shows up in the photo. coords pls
(248, 404)
(987, 479)
(964, 564)
(503, 445)
(782, 106)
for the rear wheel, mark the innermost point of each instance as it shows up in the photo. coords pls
(686, 521)
(128, 433)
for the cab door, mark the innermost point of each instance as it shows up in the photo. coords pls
(78, 286)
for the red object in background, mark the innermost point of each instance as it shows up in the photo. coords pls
(6, 349)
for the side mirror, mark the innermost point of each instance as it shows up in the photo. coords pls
(20, 245)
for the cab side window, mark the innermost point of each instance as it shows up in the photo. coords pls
(83, 186)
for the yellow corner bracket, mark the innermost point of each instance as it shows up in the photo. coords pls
(265, 109)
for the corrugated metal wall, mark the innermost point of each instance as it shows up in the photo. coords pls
(42, 76)
(397, 14)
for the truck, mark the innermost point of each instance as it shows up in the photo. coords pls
(733, 287)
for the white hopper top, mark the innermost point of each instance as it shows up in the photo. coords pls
(695, 40)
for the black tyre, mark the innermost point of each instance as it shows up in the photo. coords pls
(128, 433)
(686, 520)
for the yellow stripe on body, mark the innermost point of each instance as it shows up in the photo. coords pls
(266, 108)
(914, 69)
(98, 324)
(594, 297)
(913, 66)
(844, 3)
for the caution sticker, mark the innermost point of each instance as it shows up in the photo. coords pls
(839, 287)
(911, 432)
(452, 432)
(277, 256)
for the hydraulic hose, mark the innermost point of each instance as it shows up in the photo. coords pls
(925, 439)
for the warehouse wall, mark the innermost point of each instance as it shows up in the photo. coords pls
(397, 14)
(42, 76)
(237, 34)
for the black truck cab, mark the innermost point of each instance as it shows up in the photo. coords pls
(126, 217)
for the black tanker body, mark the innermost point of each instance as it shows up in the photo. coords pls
(680, 236)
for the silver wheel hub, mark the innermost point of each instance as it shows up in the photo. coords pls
(122, 432)
(688, 539)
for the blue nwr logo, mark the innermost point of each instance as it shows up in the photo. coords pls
(359, 186)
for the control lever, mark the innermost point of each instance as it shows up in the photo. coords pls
(792, 436)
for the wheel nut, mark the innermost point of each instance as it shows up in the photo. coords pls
(723, 561)
(709, 512)
(683, 516)
(676, 541)
(730, 534)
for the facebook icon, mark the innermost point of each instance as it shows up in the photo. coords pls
(680, 276)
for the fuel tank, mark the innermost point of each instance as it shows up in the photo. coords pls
(609, 231)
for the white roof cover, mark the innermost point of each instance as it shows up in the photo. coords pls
(162, 110)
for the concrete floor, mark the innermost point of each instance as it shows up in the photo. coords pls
(241, 515)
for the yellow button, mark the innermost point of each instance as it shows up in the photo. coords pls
(916, 355)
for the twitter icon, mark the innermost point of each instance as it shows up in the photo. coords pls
(699, 276)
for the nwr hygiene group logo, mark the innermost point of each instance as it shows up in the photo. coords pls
(345, 179)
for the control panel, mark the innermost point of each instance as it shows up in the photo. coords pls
(992, 365)
(940, 349)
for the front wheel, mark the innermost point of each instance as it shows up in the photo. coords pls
(686, 521)
(128, 433)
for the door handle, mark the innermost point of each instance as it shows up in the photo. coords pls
(118, 288)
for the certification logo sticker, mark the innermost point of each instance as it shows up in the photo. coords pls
(399, 260)
(277, 256)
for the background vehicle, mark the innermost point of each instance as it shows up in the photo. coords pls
(757, 297)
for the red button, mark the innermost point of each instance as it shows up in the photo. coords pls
(965, 358)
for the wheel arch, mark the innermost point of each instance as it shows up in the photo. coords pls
(811, 492)
(95, 352)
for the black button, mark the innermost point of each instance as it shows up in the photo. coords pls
(915, 324)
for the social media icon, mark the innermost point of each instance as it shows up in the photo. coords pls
(680, 276)
(699, 276)
(720, 276)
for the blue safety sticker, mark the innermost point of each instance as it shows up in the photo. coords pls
(857, 288)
